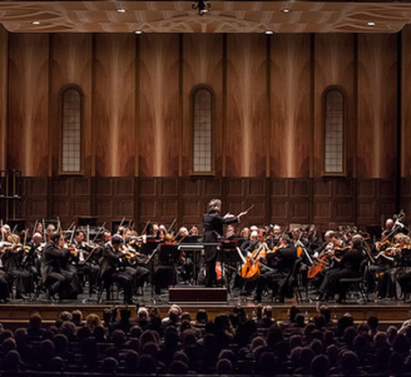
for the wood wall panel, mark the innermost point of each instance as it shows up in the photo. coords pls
(334, 66)
(406, 102)
(28, 104)
(203, 64)
(71, 64)
(247, 106)
(34, 196)
(375, 201)
(161, 200)
(114, 104)
(4, 63)
(406, 195)
(377, 106)
(290, 106)
(159, 143)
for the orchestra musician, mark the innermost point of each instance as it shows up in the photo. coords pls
(164, 273)
(348, 266)
(86, 263)
(32, 260)
(113, 268)
(17, 273)
(280, 262)
(54, 274)
(213, 230)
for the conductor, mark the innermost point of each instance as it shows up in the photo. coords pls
(213, 230)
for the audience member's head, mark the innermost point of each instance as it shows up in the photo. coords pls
(320, 366)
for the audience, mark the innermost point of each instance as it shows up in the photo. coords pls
(231, 344)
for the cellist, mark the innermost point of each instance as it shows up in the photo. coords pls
(280, 262)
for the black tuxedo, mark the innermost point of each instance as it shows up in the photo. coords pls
(55, 274)
(213, 230)
(113, 269)
(282, 263)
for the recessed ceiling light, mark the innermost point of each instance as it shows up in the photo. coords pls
(36, 23)
(269, 32)
(138, 32)
(286, 10)
(121, 10)
(371, 23)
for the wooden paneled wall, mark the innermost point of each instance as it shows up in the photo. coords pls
(280, 200)
(268, 124)
(268, 101)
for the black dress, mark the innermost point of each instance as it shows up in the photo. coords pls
(213, 230)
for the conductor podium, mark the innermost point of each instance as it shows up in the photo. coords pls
(198, 293)
(194, 293)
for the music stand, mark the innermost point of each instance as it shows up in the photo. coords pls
(168, 255)
(228, 254)
(86, 220)
(17, 224)
(148, 247)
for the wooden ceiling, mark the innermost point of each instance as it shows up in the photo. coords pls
(224, 17)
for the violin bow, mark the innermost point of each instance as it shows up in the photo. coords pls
(145, 227)
(121, 224)
(99, 232)
(171, 226)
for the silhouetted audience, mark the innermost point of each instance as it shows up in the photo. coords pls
(232, 343)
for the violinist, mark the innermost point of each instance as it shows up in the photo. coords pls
(182, 234)
(193, 231)
(14, 268)
(281, 263)
(277, 232)
(348, 266)
(31, 260)
(388, 286)
(5, 231)
(213, 230)
(5, 288)
(85, 264)
(113, 268)
(137, 269)
(404, 273)
(54, 274)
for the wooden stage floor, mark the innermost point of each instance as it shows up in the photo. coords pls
(388, 311)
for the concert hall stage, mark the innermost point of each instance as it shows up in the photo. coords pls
(17, 311)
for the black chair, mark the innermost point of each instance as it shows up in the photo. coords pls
(358, 284)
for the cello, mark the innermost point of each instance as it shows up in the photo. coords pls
(251, 268)
(322, 262)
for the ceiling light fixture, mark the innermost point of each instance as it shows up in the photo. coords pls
(121, 10)
(269, 32)
(138, 32)
(202, 5)
(286, 10)
(36, 23)
(371, 23)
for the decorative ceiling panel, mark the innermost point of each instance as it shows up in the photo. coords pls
(223, 17)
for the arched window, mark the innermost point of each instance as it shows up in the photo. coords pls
(71, 105)
(202, 101)
(334, 132)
